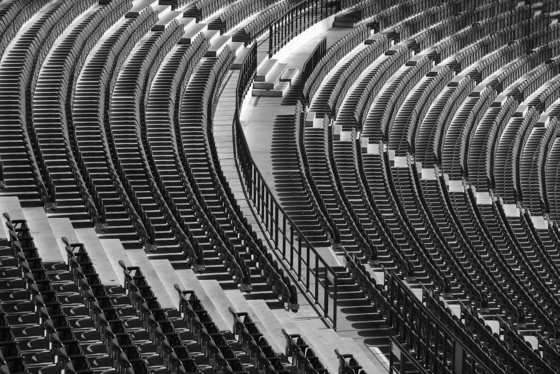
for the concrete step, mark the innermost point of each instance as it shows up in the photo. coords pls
(272, 77)
(168, 278)
(62, 227)
(265, 71)
(96, 252)
(296, 324)
(139, 258)
(322, 337)
(140, 6)
(43, 235)
(362, 353)
(278, 91)
(166, 20)
(116, 252)
(237, 47)
(212, 35)
(12, 206)
(264, 313)
(289, 75)
(163, 11)
(310, 118)
(215, 292)
(241, 305)
(192, 31)
(189, 281)
(218, 45)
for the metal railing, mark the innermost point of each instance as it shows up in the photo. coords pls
(298, 18)
(313, 59)
(312, 273)
(428, 340)
(400, 357)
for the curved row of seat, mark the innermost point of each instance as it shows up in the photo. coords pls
(237, 13)
(255, 345)
(100, 130)
(260, 24)
(202, 9)
(161, 110)
(13, 15)
(422, 174)
(310, 217)
(60, 317)
(52, 121)
(495, 244)
(330, 59)
(18, 65)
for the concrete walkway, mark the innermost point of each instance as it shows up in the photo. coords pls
(260, 113)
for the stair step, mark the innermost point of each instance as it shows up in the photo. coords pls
(279, 90)
(241, 305)
(116, 252)
(295, 324)
(190, 281)
(168, 278)
(139, 258)
(264, 313)
(62, 227)
(272, 77)
(96, 252)
(264, 73)
(43, 235)
(12, 206)
(215, 292)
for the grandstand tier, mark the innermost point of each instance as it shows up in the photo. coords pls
(279, 186)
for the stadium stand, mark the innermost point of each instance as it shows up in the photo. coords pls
(279, 186)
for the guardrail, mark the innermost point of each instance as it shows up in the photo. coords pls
(298, 18)
(313, 59)
(406, 361)
(312, 273)
(424, 338)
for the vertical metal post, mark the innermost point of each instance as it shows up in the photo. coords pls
(335, 301)
(317, 278)
(284, 236)
(275, 238)
(270, 39)
(292, 250)
(266, 218)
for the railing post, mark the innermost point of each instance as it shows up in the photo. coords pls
(292, 249)
(270, 40)
(335, 302)
(326, 283)
(284, 235)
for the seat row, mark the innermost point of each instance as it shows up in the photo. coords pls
(125, 216)
(309, 216)
(51, 91)
(13, 15)
(17, 72)
(319, 166)
(260, 24)
(175, 4)
(202, 9)
(418, 23)
(236, 14)
(453, 140)
(255, 345)
(331, 57)
(303, 356)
